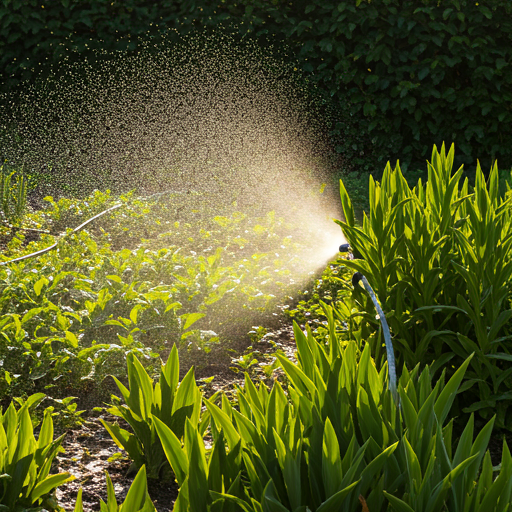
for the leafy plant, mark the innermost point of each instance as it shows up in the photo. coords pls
(438, 257)
(168, 401)
(441, 70)
(335, 435)
(401, 74)
(13, 198)
(205, 482)
(25, 462)
(135, 280)
(137, 498)
(354, 397)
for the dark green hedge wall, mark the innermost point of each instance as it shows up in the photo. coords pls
(37, 32)
(401, 74)
(418, 72)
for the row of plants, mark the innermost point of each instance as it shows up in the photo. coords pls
(135, 280)
(329, 437)
(438, 257)
(326, 433)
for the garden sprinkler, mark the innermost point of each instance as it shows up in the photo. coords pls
(344, 248)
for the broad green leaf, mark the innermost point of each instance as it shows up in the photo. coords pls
(447, 396)
(38, 285)
(174, 452)
(71, 337)
(191, 318)
(223, 420)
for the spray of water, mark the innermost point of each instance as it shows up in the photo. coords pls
(213, 115)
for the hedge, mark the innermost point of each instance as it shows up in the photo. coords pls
(400, 74)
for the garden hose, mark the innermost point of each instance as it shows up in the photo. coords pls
(385, 328)
(54, 246)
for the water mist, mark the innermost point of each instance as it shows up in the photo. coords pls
(215, 117)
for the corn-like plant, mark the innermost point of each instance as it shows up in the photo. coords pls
(336, 437)
(340, 387)
(206, 480)
(137, 499)
(25, 462)
(439, 258)
(168, 400)
(13, 198)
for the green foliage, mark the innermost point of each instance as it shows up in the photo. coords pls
(137, 498)
(438, 257)
(343, 387)
(171, 402)
(50, 30)
(405, 73)
(25, 462)
(137, 280)
(205, 481)
(13, 198)
(334, 435)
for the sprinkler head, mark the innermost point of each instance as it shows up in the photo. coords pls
(356, 278)
(352, 254)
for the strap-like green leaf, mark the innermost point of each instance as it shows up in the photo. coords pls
(197, 475)
(398, 504)
(335, 502)
(224, 422)
(49, 484)
(186, 393)
(126, 441)
(218, 496)
(145, 385)
(79, 506)
(111, 505)
(331, 461)
(174, 452)
(297, 376)
(137, 494)
(346, 204)
(447, 396)
(303, 350)
(496, 491)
